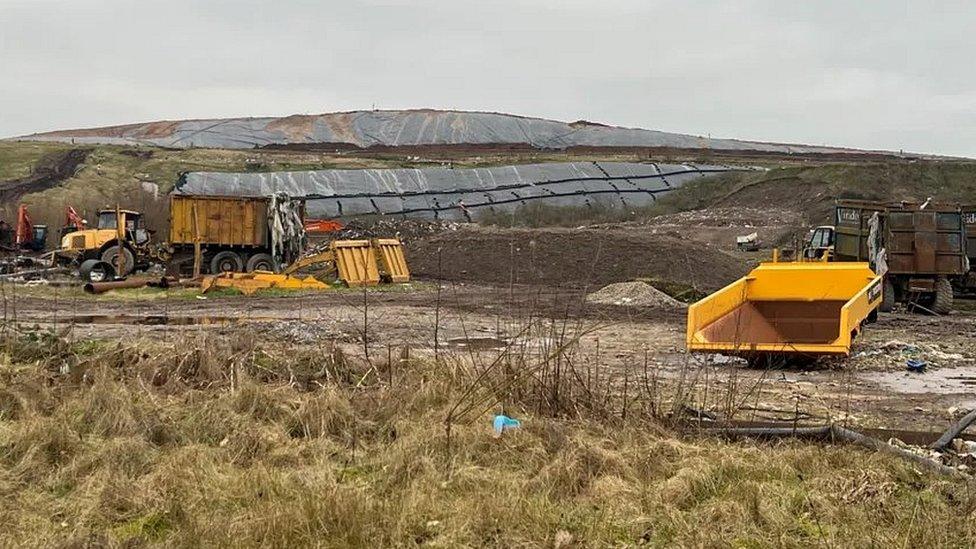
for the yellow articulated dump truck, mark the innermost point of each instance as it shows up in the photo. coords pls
(783, 310)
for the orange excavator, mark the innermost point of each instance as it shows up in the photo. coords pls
(25, 236)
(323, 225)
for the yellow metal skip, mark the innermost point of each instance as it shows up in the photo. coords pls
(789, 308)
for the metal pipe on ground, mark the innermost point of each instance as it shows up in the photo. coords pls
(837, 433)
(102, 287)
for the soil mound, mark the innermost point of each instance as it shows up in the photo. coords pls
(637, 294)
(577, 258)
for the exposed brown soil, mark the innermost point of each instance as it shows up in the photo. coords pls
(158, 129)
(570, 257)
(50, 171)
(296, 127)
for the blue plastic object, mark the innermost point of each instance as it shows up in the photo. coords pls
(504, 423)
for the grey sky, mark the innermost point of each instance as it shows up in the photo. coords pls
(892, 75)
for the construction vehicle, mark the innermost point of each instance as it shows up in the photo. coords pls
(348, 262)
(118, 243)
(235, 234)
(25, 236)
(920, 249)
(72, 222)
(320, 226)
(783, 310)
(215, 234)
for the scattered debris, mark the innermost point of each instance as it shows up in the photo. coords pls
(503, 423)
(748, 243)
(915, 365)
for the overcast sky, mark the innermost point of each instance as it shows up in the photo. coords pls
(891, 75)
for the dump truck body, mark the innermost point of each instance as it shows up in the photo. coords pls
(234, 233)
(929, 241)
(802, 308)
(924, 248)
(230, 222)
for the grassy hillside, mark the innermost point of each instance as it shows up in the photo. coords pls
(813, 189)
(141, 177)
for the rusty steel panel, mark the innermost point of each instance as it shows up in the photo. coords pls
(223, 221)
(917, 241)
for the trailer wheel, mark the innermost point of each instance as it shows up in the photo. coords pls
(111, 256)
(95, 270)
(260, 262)
(943, 296)
(225, 262)
(887, 296)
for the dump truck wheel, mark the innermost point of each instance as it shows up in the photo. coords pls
(96, 270)
(260, 262)
(226, 262)
(111, 256)
(887, 297)
(943, 296)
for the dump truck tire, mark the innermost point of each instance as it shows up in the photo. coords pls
(225, 262)
(887, 297)
(95, 270)
(943, 296)
(260, 262)
(111, 256)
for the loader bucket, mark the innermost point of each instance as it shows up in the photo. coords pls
(389, 253)
(805, 309)
(355, 262)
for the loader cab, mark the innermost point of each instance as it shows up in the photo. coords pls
(107, 220)
(819, 243)
(38, 239)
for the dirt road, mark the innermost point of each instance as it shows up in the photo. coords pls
(870, 389)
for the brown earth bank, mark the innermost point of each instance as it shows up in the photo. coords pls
(50, 171)
(581, 257)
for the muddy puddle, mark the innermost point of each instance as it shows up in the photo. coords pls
(477, 343)
(152, 320)
(943, 381)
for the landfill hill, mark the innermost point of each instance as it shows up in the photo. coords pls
(424, 128)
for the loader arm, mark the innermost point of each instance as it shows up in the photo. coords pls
(322, 257)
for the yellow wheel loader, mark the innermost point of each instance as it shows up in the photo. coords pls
(117, 246)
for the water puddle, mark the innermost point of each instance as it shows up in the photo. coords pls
(152, 320)
(477, 343)
(945, 381)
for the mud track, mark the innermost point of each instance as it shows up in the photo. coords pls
(51, 170)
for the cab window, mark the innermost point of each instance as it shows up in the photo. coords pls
(107, 220)
(820, 239)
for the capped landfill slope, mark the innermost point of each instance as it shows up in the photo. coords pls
(455, 194)
(404, 128)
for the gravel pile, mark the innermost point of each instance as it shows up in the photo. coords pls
(637, 294)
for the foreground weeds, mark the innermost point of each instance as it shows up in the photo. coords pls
(222, 442)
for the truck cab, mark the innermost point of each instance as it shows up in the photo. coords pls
(819, 243)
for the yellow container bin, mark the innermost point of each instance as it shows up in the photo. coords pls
(811, 309)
